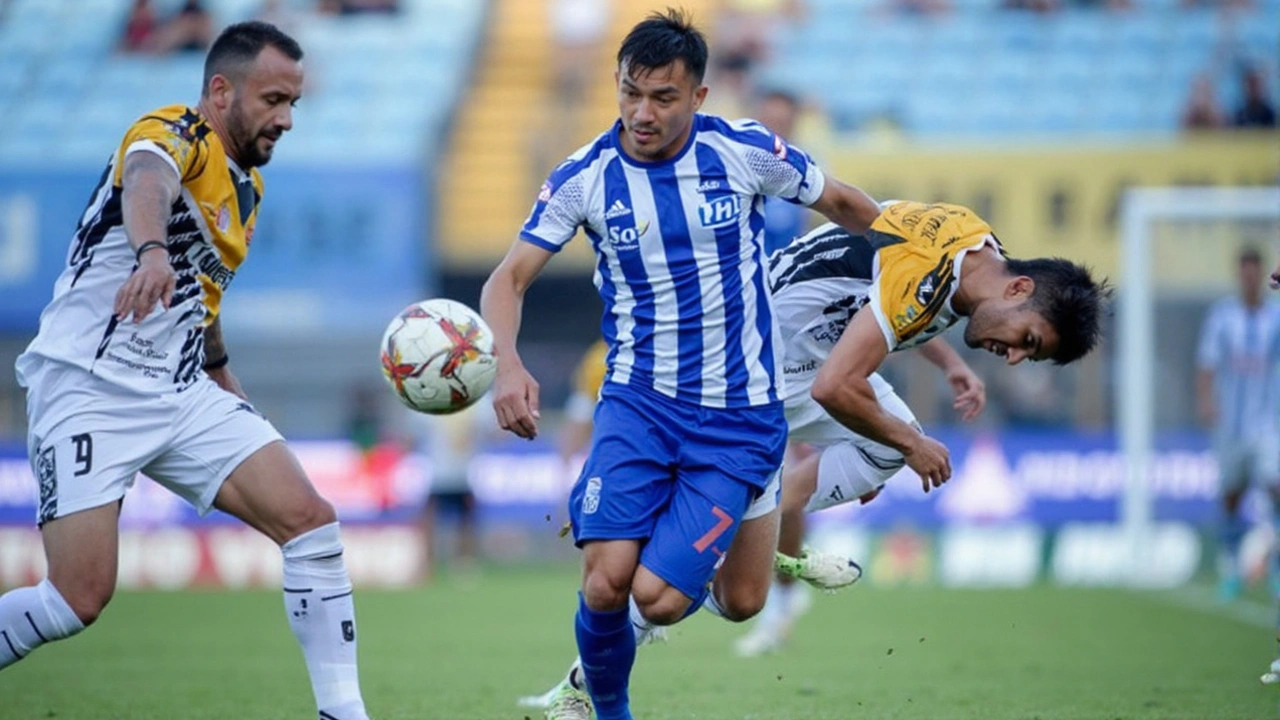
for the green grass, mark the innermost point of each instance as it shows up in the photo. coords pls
(460, 650)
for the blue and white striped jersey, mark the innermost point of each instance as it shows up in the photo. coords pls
(1242, 349)
(680, 255)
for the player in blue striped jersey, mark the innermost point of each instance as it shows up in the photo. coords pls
(690, 428)
(1236, 394)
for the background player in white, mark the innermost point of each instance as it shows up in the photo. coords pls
(129, 372)
(690, 426)
(1237, 398)
(844, 301)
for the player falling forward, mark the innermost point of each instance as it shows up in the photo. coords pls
(690, 427)
(129, 372)
(844, 301)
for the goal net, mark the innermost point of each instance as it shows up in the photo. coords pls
(1178, 254)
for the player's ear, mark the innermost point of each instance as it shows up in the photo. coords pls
(220, 91)
(1019, 288)
(699, 95)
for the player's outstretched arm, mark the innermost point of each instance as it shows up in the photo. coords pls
(843, 390)
(969, 390)
(515, 392)
(151, 184)
(847, 206)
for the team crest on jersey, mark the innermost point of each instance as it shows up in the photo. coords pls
(224, 218)
(779, 148)
(544, 193)
(591, 498)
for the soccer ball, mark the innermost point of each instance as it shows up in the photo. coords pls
(437, 355)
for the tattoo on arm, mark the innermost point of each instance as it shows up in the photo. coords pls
(150, 187)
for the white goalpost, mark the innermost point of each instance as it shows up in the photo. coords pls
(1135, 330)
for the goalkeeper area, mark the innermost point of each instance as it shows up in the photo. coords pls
(466, 647)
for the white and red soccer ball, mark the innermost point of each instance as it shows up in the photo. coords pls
(437, 355)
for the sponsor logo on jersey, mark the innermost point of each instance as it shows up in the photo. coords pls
(708, 186)
(617, 210)
(544, 193)
(720, 212)
(224, 218)
(627, 238)
(804, 367)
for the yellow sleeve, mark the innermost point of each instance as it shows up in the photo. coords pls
(589, 376)
(917, 247)
(175, 133)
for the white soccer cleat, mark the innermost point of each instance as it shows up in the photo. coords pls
(1272, 675)
(824, 571)
(569, 703)
(764, 638)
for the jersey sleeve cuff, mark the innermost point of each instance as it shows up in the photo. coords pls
(809, 195)
(151, 147)
(532, 239)
(890, 338)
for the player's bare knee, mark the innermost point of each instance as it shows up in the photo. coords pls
(87, 596)
(665, 606)
(306, 517)
(605, 591)
(743, 603)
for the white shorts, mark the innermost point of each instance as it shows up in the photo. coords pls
(88, 439)
(1241, 462)
(851, 465)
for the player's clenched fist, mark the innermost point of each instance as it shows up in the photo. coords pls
(931, 461)
(515, 401)
(151, 282)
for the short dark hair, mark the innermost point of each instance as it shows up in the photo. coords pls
(661, 39)
(240, 44)
(1250, 254)
(1069, 298)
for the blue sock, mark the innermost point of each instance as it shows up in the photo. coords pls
(607, 646)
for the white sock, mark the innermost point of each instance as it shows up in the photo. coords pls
(712, 605)
(31, 617)
(317, 598)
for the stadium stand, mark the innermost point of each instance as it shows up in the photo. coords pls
(404, 73)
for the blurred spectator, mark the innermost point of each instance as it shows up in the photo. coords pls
(190, 30)
(745, 29)
(364, 417)
(1201, 112)
(1040, 6)
(922, 7)
(452, 443)
(139, 28)
(577, 28)
(357, 7)
(1256, 111)
(276, 12)
(783, 221)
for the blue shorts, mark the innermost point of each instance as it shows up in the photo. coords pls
(675, 475)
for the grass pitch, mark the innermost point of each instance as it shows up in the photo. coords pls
(463, 649)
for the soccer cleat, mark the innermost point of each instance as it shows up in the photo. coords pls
(654, 634)
(569, 703)
(765, 637)
(824, 571)
(1272, 675)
